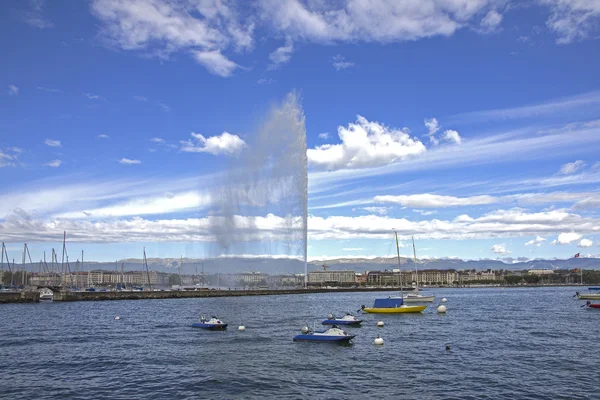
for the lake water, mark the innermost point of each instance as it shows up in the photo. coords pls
(526, 343)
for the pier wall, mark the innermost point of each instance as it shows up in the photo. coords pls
(19, 297)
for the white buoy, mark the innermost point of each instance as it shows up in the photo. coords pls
(380, 324)
(441, 309)
(378, 341)
(444, 300)
(304, 330)
(117, 318)
(241, 328)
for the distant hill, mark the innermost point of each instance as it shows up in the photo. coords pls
(291, 266)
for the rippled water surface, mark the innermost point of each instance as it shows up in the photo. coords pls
(534, 343)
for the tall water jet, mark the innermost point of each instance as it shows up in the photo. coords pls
(261, 205)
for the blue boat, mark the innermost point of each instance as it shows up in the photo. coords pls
(594, 288)
(333, 334)
(213, 324)
(347, 319)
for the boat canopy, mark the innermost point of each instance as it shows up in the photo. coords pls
(388, 303)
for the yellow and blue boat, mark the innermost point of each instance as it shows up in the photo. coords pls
(392, 305)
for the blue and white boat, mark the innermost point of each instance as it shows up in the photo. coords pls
(213, 324)
(347, 319)
(333, 334)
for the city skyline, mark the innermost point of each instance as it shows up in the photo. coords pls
(471, 126)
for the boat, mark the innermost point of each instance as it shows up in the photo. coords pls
(333, 334)
(587, 296)
(415, 296)
(589, 304)
(46, 294)
(347, 319)
(392, 305)
(213, 324)
(594, 288)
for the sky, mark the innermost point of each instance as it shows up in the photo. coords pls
(472, 125)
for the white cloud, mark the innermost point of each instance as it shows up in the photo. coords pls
(352, 249)
(339, 62)
(432, 126)
(128, 161)
(573, 20)
(366, 144)
(160, 28)
(537, 241)
(164, 107)
(215, 62)
(157, 140)
(451, 135)
(499, 249)
(427, 200)
(54, 163)
(140, 98)
(567, 238)
(571, 168)
(491, 22)
(6, 160)
(34, 16)
(103, 136)
(92, 96)
(13, 90)
(265, 81)
(324, 135)
(52, 143)
(377, 210)
(226, 143)
(585, 243)
(45, 89)
(425, 212)
(281, 55)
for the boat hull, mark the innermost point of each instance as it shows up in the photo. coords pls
(589, 296)
(395, 310)
(594, 306)
(210, 327)
(341, 322)
(424, 299)
(322, 338)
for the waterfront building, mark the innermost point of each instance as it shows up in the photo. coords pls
(332, 277)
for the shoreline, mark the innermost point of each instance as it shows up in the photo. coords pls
(65, 295)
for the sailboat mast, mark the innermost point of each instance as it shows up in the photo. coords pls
(415, 260)
(180, 264)
(399, 269)
(147, 270)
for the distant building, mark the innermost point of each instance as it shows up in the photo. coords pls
(332, 277)
(540, 272)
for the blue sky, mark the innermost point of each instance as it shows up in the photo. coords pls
(472, 125)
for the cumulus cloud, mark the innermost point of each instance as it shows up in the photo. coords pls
(573, 20)
(571, 168)
(435, 201)
(432, 126)
(128, 161)
(502, 223)
(339, 62)
(52, 142)
(536, 242)
(366, 144)
(103, 136)
(499, 249)
(160, 28)
(491, 22)
(226, 143)
(377, 210)
(13, 90)
(452, 136)
(567, 238)
(54, 163)
(157, 140)
(324, 135)
(585, 243)
(281, 55)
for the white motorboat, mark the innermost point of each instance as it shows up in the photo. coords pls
(46, 294)
(415, 296)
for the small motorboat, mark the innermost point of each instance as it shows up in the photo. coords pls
(589, 304)
(213, 324)
(46, 294)
(594, 288)
(347, 319)
(587, 296)
(392, 305)
(416, 297)
(333, 334)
